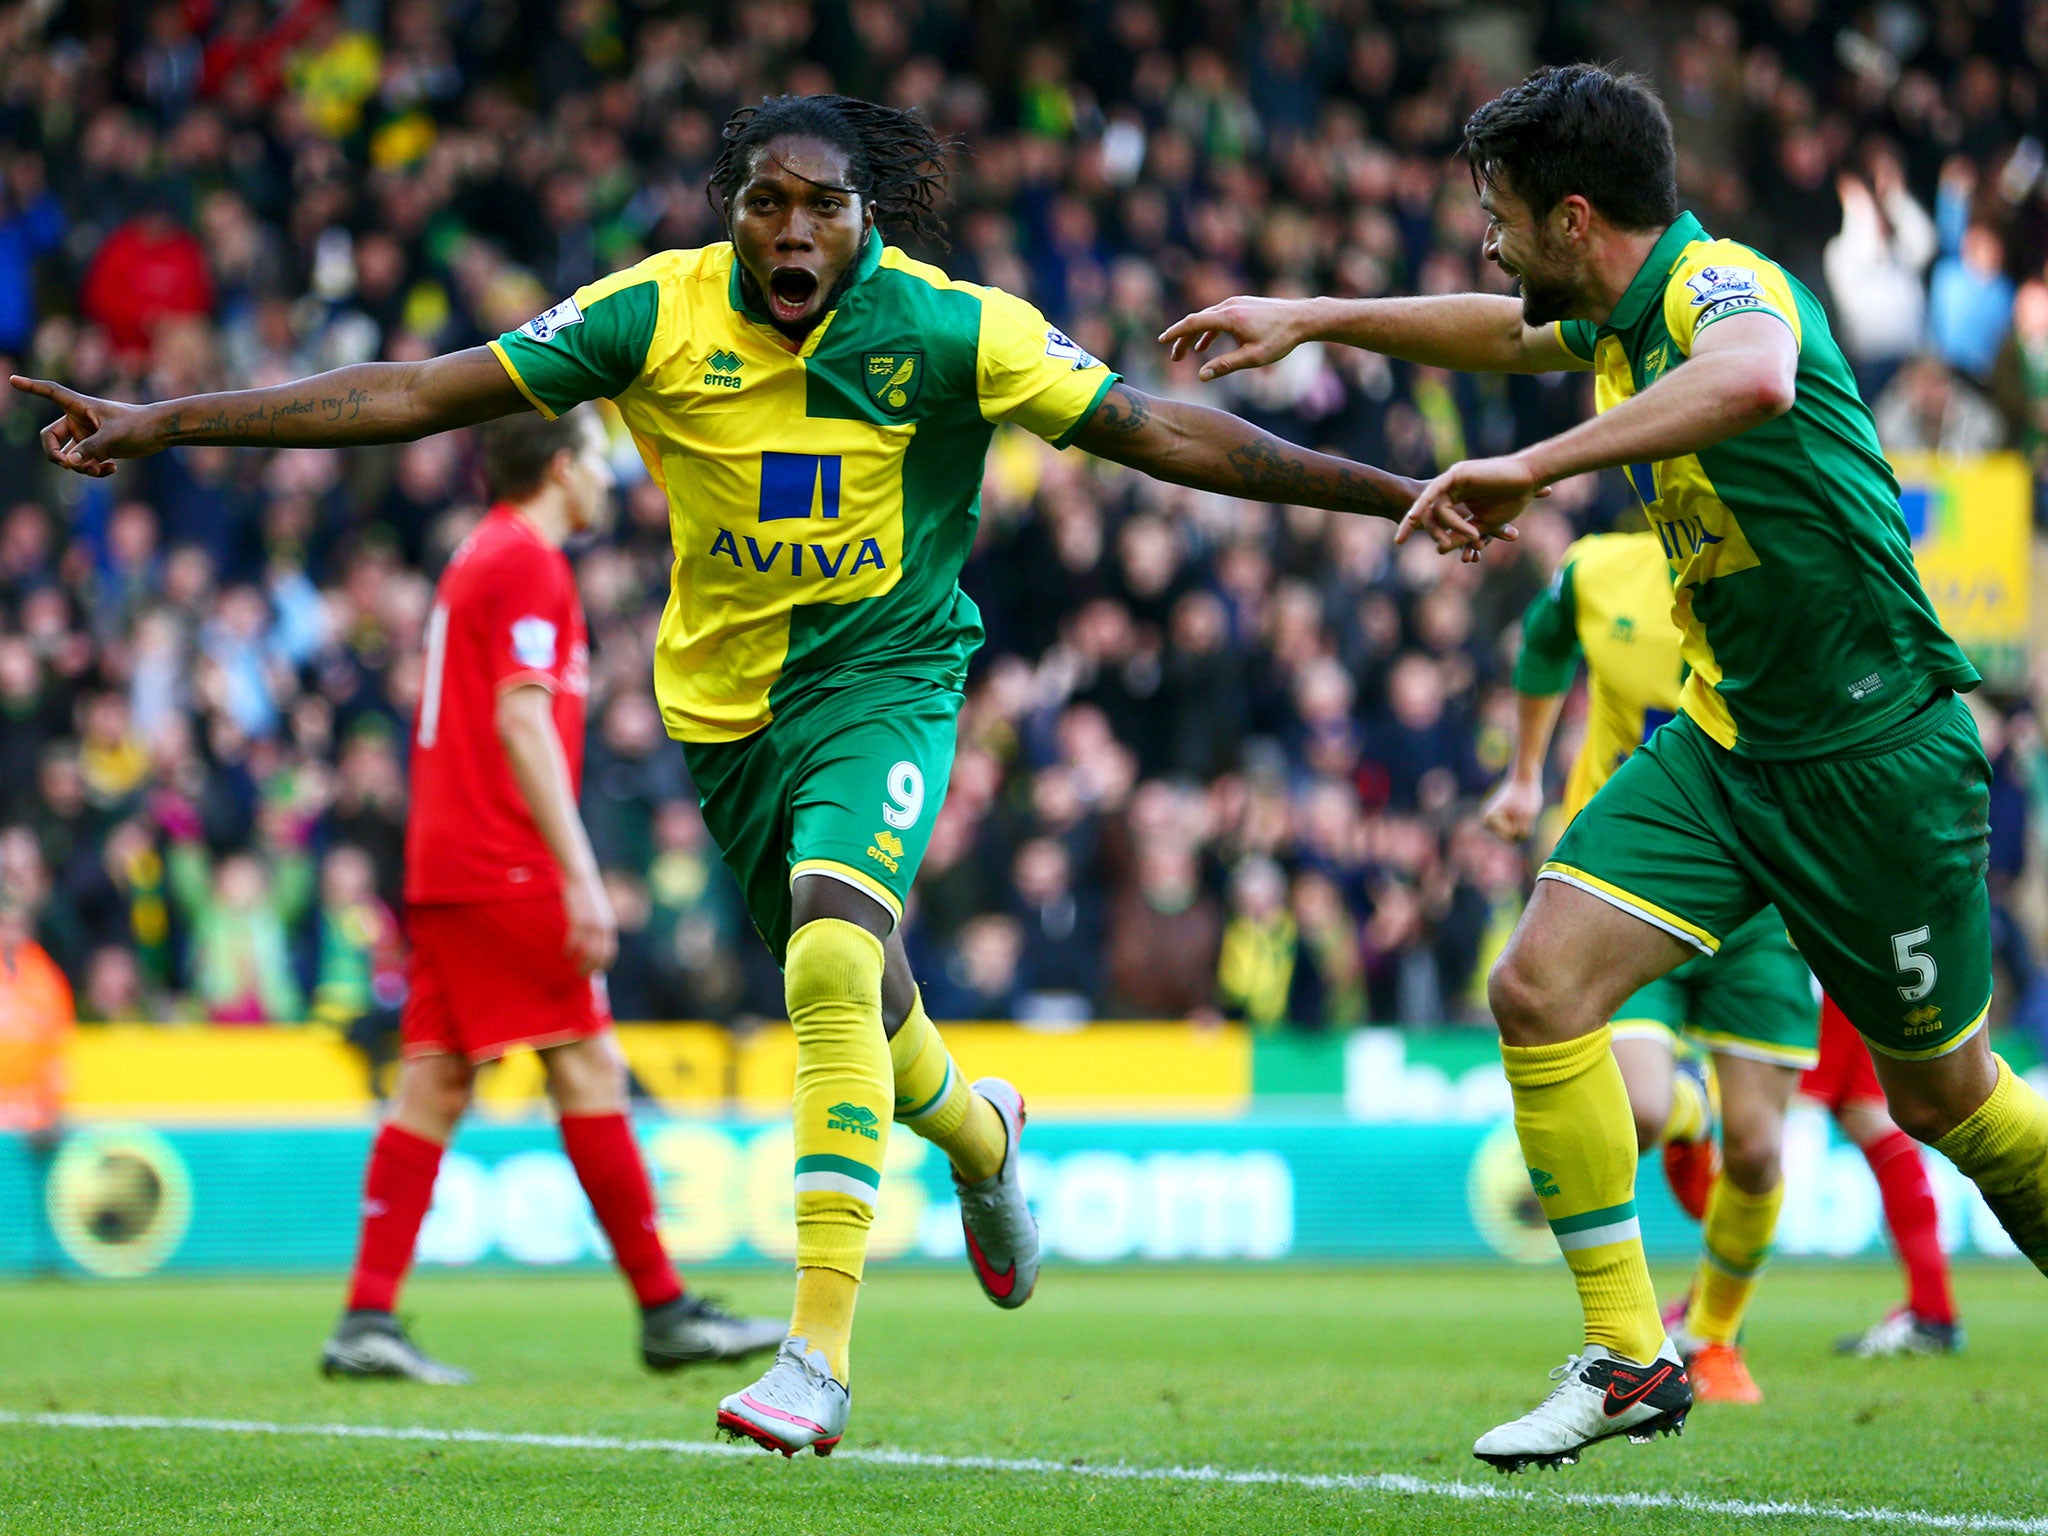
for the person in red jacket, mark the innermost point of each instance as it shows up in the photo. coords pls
(146, 271)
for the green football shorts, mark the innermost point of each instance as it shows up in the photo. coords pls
(1752, 998)
(1874, 857)
(845, 782)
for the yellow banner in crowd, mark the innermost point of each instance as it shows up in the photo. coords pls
(1971, 521)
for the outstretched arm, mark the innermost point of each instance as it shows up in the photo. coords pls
(1468, 332)
(1215, 451)
(365, 403)
(1743, 372)
(1212, 450)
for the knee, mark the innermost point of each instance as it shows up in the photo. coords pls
(452, 1099)
(1524, 1005)
(587, 1078)
(433, 1093)
(1925, 1119)
(830, 964)
(1751, 1156)
(1752, 1149)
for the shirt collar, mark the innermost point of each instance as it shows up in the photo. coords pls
(1650, 278)
(864, 267)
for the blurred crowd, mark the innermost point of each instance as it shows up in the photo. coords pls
(1217, 759)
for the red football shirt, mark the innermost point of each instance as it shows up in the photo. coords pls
(506, 613)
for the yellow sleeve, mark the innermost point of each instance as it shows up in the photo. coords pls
(1029, 372)
(1718, 278)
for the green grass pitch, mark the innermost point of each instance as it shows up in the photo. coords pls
(1288, 1371)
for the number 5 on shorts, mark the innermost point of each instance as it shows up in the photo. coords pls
(1906, 956)
(906, 794)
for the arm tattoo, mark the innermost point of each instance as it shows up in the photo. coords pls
(335, 407)
(1215, 451)
(1123, 412)
(299, 407)
(1267, 467)
(267, 420)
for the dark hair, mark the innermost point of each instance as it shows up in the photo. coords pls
(1579, 128)
(893, 159)
(518, 450)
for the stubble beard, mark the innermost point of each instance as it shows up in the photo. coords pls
(1545, 300)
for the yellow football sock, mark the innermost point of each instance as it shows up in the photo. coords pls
(1579, 1142)
(832, 980)
(1735, 1243)
(933, 1099)
(2003, 1147)
(823, 1318)
(1688, 1118)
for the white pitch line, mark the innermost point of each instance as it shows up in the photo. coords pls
(1328, 1482)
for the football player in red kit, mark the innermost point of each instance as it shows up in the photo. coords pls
(510, 926)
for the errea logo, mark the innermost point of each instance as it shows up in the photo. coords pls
(857, 1118)
(725, 368)
(887, 851)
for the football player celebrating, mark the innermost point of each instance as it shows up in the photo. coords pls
(511, 929)
(1822, 761)
(817, 406)
(1751, 1006)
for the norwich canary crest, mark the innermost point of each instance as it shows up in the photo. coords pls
(893, 378)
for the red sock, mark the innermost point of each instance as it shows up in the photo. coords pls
(607, 1160)
(397, 1189)
(1910, 1212)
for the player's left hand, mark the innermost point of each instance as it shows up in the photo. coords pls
(1471, 502)
(593, 941)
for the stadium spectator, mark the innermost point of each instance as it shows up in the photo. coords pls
(36, 1017)
(1059, 970)
(2020, 378)
(32, 223)
(1969, 304)
(361, 966)
(149, 270)
(239, 913)
(1876, 270)
(1927, 408)
(1256, 966)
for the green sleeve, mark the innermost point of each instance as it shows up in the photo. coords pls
(1579, 337)
(1550, 638)
(585, 348)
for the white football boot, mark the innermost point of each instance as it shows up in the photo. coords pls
(797, 1404)
(1002, 1235)
(1598, 1395)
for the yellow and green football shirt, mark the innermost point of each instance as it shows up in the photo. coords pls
(1804, 622)
(822, 498)
(1610, 601)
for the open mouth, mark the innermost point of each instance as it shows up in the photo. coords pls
(790, 292)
